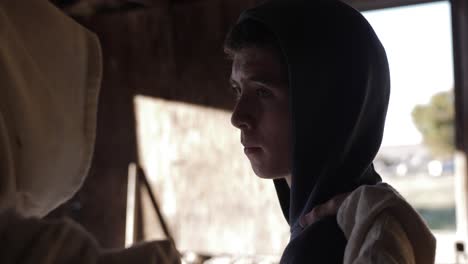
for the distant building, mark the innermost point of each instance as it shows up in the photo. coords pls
(404, 160)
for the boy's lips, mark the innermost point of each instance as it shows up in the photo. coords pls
(250, 146)
(252, 150)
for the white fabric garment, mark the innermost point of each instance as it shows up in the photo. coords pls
(50, 73)
(381, 227)
(36, 241)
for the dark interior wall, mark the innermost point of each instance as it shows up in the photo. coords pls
(174, 52)
(165, 51)
(201, 69)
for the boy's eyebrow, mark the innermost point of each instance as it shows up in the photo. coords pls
(269, 82)
(256, 79)
(261, 80)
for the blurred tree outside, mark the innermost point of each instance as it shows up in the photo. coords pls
(435, 121)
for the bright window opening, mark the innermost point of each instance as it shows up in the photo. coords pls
(417, 156)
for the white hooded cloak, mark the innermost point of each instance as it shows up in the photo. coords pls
(50, 73)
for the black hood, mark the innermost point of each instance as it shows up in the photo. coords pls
(339, 90)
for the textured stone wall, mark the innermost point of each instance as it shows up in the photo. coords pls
(207, 191)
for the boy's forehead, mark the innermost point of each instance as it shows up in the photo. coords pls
(253, 56)
(256, 62)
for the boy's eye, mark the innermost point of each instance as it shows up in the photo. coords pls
(263, 93)
(236, 91)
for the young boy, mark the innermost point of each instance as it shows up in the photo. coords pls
(312, 85)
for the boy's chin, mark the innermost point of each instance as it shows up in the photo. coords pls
(268, 176)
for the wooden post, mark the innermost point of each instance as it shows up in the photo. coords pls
(460, 51)
(132, 195)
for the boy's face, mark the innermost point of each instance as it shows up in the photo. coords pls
(262, 113)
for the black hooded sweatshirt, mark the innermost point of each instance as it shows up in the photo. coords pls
(339, 88)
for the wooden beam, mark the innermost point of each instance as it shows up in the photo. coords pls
(365, 5)
(460, 58)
